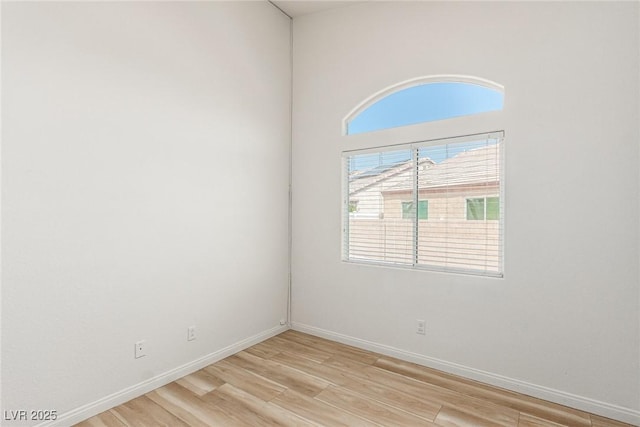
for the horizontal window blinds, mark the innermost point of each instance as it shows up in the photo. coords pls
(427, 205)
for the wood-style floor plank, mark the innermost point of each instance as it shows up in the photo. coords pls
(252, 410)
(327, 346)
(407, 385)
(190, 408)
(301, 350)
(296, 379)
(200, 382)
(452, 417)
(245, 380)
(597, 421)
(105, 419)
(318, 411)
(372, 390)
(279, 373)
(265, 349)
(369, 409)
(539, 408)
(491, 413)
(527, 420)
(327, 373)
(144, 412)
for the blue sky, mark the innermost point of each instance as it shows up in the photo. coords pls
(425, 103)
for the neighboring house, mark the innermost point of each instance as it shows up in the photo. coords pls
(458, 211)
(366, 187)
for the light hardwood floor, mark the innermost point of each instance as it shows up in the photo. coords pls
(296, 379)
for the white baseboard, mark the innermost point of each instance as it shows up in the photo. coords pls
(579, 402)
(122, 396)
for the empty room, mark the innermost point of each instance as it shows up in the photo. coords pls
(320, 213)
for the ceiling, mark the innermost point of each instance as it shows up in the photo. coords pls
(302, 7)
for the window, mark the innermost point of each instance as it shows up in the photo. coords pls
(448, 180)
(483, 208)
(424, 100)
(492, 208)
(408, 212)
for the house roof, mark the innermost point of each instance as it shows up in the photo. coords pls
(387, 174)
(477, 166)
(472, 167)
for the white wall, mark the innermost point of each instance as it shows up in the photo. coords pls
(145, 189)
(564, 322)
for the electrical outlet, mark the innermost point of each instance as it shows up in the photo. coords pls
(140, 349)
(191, 333)
(283, 322)
(421, 327)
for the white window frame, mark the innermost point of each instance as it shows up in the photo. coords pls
(500, 135)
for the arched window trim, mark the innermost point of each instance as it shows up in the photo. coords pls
(444, 78)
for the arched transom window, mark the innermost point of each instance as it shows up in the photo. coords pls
(424, 100)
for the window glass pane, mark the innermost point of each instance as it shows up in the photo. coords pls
(457, 237)
(407, 210)
(450, 182)
(475, 209)
(423, 209)
(426, 103)
(493, 208)
(381, 229)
